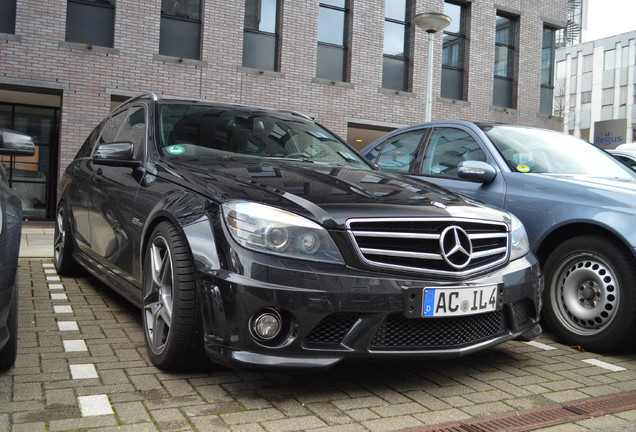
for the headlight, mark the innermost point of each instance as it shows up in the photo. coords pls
(519, 244)
(267, 229)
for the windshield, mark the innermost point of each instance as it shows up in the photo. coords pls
(530, 150)
(189, 130)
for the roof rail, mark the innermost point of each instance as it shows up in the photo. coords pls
(151, 95)
(294, 113)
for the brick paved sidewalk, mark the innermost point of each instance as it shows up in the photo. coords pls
(82, 365)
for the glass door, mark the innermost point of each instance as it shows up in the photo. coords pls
(34, 178)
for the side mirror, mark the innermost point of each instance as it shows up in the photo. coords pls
(476, 171)
(14, 143)
(115, 154)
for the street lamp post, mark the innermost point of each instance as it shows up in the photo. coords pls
(431, 23)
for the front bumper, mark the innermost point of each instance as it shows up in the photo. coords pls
(329, 316)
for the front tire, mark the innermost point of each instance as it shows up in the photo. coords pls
(63, 244)
(590, 300)
(171, 318)
(9, 352)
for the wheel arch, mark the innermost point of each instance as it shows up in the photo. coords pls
(196, 226)
(562, 233)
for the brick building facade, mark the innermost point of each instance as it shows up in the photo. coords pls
(80, 83)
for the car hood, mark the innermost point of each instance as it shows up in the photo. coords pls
(327, 194)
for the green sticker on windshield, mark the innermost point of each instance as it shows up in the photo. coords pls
(175, 149)
(523, 168)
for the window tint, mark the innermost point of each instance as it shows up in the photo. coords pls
(90, 22)
(398, 152)
(448, 147)
(87, 148)
(109, 133)
(221, 132)
(134, 130)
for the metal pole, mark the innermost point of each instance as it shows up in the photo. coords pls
(429, 78)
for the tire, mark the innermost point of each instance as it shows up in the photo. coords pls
(63, 244)
(9, 352)
(590, 297)
(170, 311)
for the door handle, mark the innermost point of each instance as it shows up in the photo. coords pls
(98, 175)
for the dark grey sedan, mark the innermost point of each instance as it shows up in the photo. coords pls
(11, 144)
(577, 202)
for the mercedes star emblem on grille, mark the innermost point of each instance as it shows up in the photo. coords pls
(456, 247)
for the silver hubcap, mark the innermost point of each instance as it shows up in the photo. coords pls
(158, 295)
(585, 294)
(60, 236)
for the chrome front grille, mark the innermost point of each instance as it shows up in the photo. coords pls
(440, 246)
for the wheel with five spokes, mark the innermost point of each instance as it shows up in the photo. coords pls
(171, 319)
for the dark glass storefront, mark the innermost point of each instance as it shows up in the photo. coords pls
(34, 178)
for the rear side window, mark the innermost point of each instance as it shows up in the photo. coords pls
(399, 151)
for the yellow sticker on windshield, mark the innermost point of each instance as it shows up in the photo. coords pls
(523, 168)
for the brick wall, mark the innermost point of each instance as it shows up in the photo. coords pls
(38, 53)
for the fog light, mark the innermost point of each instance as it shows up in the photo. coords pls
(267, 325)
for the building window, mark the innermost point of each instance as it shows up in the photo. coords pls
(90, 22)
(548, 48)
(625, 57)
(260, 39)
(395, 67)
(608, 96)
(574, 62)
(586, 97)
(609, 60)
(623, 96)
(180, 33)
(588, 63)
(504, 62)
(333, 29)
(454, 52)
(7, 18)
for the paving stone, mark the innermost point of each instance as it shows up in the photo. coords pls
(65, 396)
(289, 406)
(442, 416)
(487, 409)
(392, 424)
(394, 410)
(293, 424)
(212, 423)
(131, 412)
(170, 420)
(28, 427)
(362, 402)
(27, 391)
(251, 416)
(329, 413)
(362, 414)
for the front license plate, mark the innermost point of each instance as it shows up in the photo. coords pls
(458, 301)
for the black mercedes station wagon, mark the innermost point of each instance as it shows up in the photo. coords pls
(260, 238)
